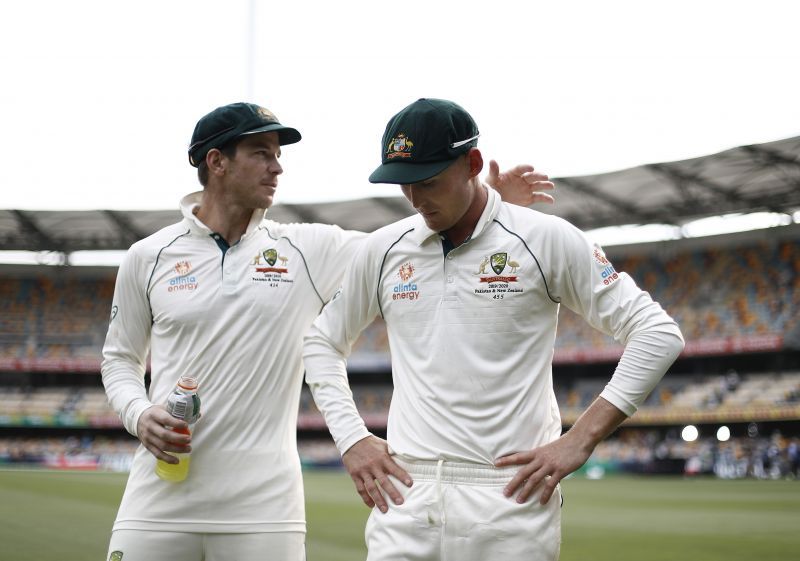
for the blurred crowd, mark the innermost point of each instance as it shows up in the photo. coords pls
(712, 293)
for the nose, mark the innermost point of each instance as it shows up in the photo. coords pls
(276, 167)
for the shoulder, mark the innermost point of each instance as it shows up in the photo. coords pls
(387, 236)
(307, 235)
(155, 242)
(529, 221)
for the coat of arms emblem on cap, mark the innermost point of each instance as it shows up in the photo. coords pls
(266, 114)
(399, 147)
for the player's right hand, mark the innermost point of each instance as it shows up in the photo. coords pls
(152, 430)
(369, 463)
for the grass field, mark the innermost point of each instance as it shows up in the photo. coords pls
(68, 516)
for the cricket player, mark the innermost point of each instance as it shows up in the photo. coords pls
(225, 296)
(470, 290)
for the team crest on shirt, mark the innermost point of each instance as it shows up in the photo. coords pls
(115, 556)
(407, 288)
(270, 266)
(607, 273)
(184, 281)
(496, 274)
(399, 147)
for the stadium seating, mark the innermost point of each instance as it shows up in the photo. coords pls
(748, 295)
(712, 293)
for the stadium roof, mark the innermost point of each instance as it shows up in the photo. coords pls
(760, 177)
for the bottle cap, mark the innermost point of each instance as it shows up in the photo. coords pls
(187, 383)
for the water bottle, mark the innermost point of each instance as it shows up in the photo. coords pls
(183, 403)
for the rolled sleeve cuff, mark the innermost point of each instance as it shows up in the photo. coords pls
(131, 417)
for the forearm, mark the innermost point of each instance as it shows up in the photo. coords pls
(326, 376)
(124, 384)
(648, 355)
(599, 420)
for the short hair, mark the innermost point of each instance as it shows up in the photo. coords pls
(228, 150)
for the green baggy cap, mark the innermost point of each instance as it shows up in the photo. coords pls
(422, 140)
(226, 123)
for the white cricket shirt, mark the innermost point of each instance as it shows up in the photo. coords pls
(472, 333)
(233, 318)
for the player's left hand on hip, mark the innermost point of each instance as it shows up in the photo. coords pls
(542, 469)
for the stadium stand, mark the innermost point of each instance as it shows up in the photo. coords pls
(736, 297)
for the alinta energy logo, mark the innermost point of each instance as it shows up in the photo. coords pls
(406, 289)
(608, 273)
(185, 280)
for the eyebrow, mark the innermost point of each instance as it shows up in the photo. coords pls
(255, 144)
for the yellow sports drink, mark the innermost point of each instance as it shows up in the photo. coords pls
(175, 472)
(184, 404)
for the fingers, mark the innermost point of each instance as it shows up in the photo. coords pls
(536, 472)
(386, 485)
(161, 455)
(375, 479)
(539, 479)
(514, 459)
(374, 486)
(494, 171)
(363, 493)
(370, 492)
(532, 177)
(158, 439)
(550, 484)
(377, 495)
(542, 198)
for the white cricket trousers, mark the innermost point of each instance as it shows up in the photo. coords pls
(457, 512)
(147, 545)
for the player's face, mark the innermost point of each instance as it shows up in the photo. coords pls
(443, 200)
(252, 174)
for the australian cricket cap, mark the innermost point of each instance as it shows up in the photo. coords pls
(422, 140)
(228, 122)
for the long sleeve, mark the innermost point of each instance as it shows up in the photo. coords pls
(333, 249)
(611, 302)
(127, 344)
(327, 345)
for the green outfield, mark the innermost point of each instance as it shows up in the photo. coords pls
(67, 516)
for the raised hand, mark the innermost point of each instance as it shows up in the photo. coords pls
(520, 185)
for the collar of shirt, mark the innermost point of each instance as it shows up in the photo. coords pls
(422, 233)
(193, 200)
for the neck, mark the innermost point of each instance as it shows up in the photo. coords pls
(463, 229)
(229, 221)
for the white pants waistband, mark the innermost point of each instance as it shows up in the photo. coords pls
(445, 471)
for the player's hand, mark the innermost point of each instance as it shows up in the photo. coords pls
(154, 433)
(545, 466)
(520, 185)
(369, 464)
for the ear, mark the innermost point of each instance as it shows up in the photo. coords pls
(216, 161)
(475, 159)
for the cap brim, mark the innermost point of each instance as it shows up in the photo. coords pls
(405, 173)
(286, 135)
